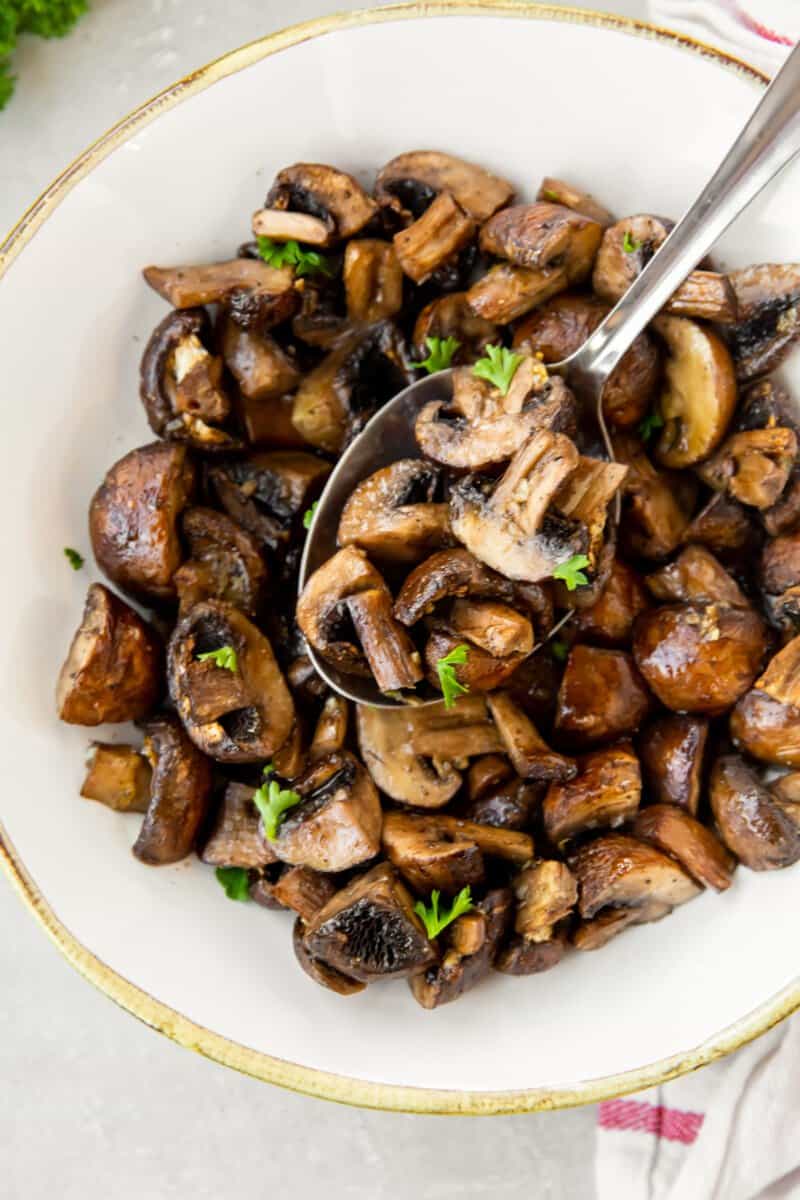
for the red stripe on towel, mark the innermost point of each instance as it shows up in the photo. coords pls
(756, 27)
(641, 1117)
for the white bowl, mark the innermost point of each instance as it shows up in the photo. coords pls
(637, 115)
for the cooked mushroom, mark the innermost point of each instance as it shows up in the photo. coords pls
(750, 821)
(369, 930)
(114, 667)
(430, 855)
(543, 235)
(604, 794)
(496, 628)
(303, 891)
(338, 823)
(265, 492)
(678, 834)
(619, 871)
(239, 714)
(784, 515)
(530, 755)
(599, 931)
(786, 794)
(724, 526)
(471, 944)
(224, 563)
(698, 396)
(332, 203)
(364, 370)
(133, 519)
(546, 893)
(780, 581)
(260, 367)
(373, 280)
(392, 513)
(671, 752)
(479, 672)
(522, 956)
(390, 652)
(656, 505)
(180, 793)
(256, 296)
(451, 317)
(331, 730)
(323, 974)
(585, 496)
(510, 804)
(558, 191)
(434, 238)
(395, 744)
(696, 577)
(506, 292)
(408, 184)
(753, 466)
(609, 620)
(117, 776)
(486, 774)
(234, 840)
(767, 321)
(699, 658)
(602, 696)
(766, 722)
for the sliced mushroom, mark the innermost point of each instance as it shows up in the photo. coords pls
(323, 974)
(430, 855)
(443, 230)
(599, 931)
(699, 658)
(334, 200)
(265, 492)
(510, 804)
(534, 686)
(678, 834)
(671, 752)
(117, 776)
(291, 758)
(303, 891)
(180, 793)
(369, 930)
(751, 823)
(234, 840)
(530, 755)
(260, 367)
(784, 515)
(604, 794)
(609, 620)
(392, 514)
(696, 577)
(256, 296)
(486, 774)
(114, 667)
(780, 581)
(240, 715)
(522, 956)
(364, 370)
(331, 729)
(451, 317)
(409, 183)
(542, 235)
(133, 519)
(768, 319)
(395, 744)
(480, 672)
(558, 191)
(471, 944)
(724, 526)
(585, 496)
(506, 292)
(753, 467)
(393, 659)
(698, 396)
(620, 871)
(546, 893)
(338, 823)
(496, 628)
(602, 696)
(224, 563)
(373, 280)
(656, 505)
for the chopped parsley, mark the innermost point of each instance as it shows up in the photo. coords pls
(292, 254)
(74, 559)
(272, 801)
(498, 367)
(571, 571)
(224, 658)
(434, 920)
(650, 424)
(446, 670)
(308, 515)
(559, 650)
(235, 882)
(440, 356)
(630, 244)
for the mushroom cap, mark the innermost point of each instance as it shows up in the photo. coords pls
(671, 751)
(180, 793)
(409, 182)
(750, 821)
(330, 195)
(602, 696)
(604, 794)
(698, 396)
(617, 870)
(224, 563)
(392, 514)
(542, 235)
(767, 327)
(678, 834)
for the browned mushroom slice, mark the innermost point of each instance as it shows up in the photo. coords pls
(585, 496)
(561, 326)
(510, 804)
(610, 619)
(699, 658)
(369, 930)
(530, 755)
(434, 238)
(291, 758)
(671, 752)
(604, 794)
(470, 946)
(338, 823)
(724, 526)
(753, 467)
(780, 580)
(616, 870)
(260, 367)
(750, 821)
(496, 628)
(331, 729)
(234, 839)
(265, 492)
(678, 834)
(492, 841)
(133, 519)
(304, 680)
(767, 323)
(389, 651)
(114, 667)
(698, 395)
(280, 225)
(480, 672)
(253, 712)
(429, 855)
(784, 515)
(364, 370)
(333, 198)
(546, 893)
(558, 191)
(224, 563)
(602, 696)
(409, 182)
(543, 235)
(451, 316)
(257, 296)
(303, 891)
(323, 974)
(767, 729)
(117, 776)
(486, 774)
(506, 292)
(373, 280)
(657, 505)
(507, 525)
(180, 793)
(786, 793)
(696, 577)
(599, 931)
(415, 755)
(522, 956)
(392, 514)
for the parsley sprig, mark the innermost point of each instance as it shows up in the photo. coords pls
(235, 882)
(440, 356)
(434, 920)
(292, 254)
(650, 424)
(74, 559)
(559, 650)
(630, 244)
(498, 367)
(446, 670)
(308, 515)
(272, 801)
(571, 571)
(224, 658)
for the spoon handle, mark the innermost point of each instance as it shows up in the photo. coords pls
(769, 140)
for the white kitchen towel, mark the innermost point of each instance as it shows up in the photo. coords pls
(759, 31)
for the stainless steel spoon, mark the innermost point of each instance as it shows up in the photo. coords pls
(768, 142)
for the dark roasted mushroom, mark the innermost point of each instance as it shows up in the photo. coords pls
(754, 466)
(617, 871)
(408, 184)
(767, 322)
(451, 316)
(558, 191)
(657, 505)
(323, 974)
(443, 230)
(314, 203)
(508, 804)
(260, 367)
(470, 946)
(604, 794)
(751, 823)
(698, 396)
(447, 852)
(373, 280)
(678, 834)
(671, 752)
(234, 840)
(392, 514)
(542, 235)
(506, 292)
(598, 931)
(497, 638)
(610, 618)
(180, 793)
(522, 956)
(331, 729)
(479, 672)
(602, 696)
(766, 721)
(724, 527)
(696, 577)
(780, 581)
(530, 755)
(256, 296)
(303, 890)
(224, 563)
(265, 493)
(117, 776)
(546, 893)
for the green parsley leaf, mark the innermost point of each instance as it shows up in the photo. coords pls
(650, 424)
(630, 244)
(551, 196)
(272, 801)
(235, 881)
(224, 658)
(571, 571)
(45, 18)
(292, 254)
(440, 356)
(434, 920)
(498, 366)
(268, 770)
(74, 559)
(308, 515)
(559, 650)
(446, 670)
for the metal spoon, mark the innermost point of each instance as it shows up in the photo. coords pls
(768, 142)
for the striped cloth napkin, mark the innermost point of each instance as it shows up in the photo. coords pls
(732, 1130)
